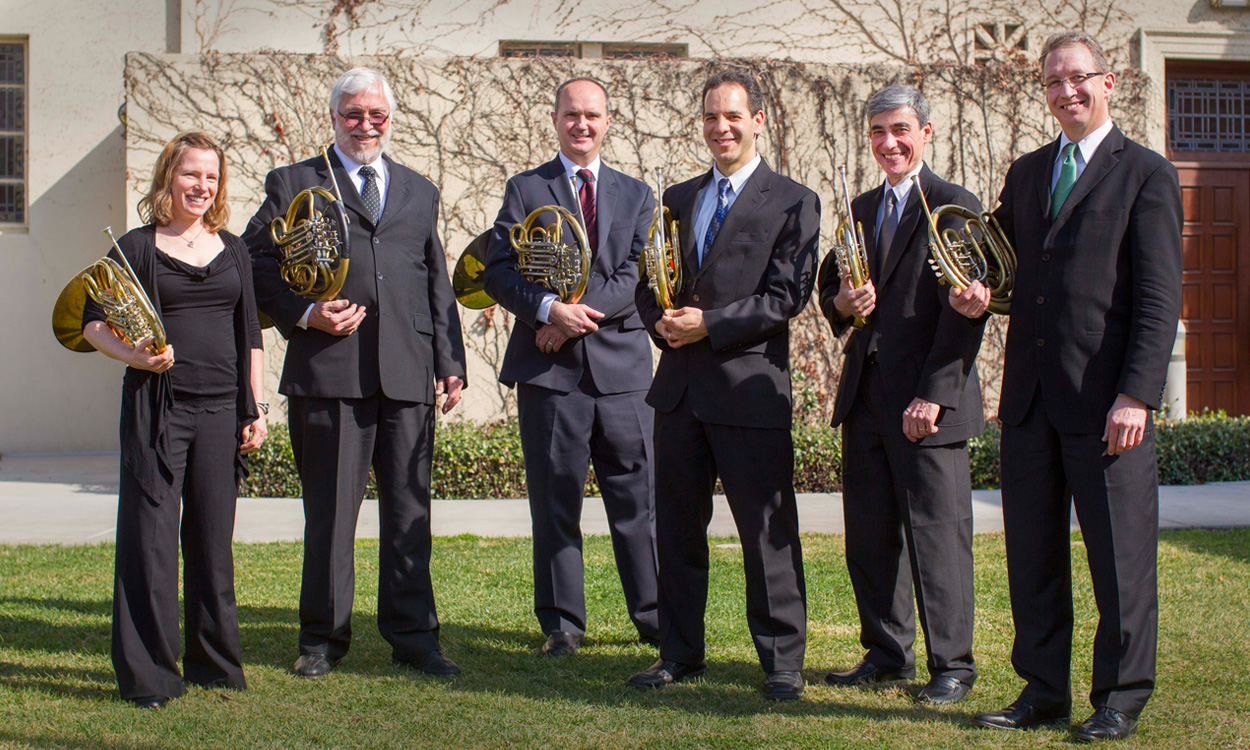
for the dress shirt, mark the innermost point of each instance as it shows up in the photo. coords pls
(707, 199)
(352, 167)
(901, 191)
(571, 169)
(1085, 149)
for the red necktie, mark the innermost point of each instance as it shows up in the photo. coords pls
(587, 196)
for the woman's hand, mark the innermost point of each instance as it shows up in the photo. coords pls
(141, 359)
(254, 434)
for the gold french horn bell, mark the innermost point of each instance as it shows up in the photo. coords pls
(315, 244)
(116, 288)
(976, 251)
(660, 262)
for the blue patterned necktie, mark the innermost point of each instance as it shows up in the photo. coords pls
(369, 194)
(1067, 178)
(718, 218)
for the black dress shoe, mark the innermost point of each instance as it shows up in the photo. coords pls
(561, 643)
(1106, 724)
(434, 663)
(150, 701)
(867, 673)
(1021, 715)
(312, 666)
(665, 672)
(783, 685)
(943, 690)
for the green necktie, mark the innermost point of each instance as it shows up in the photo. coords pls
(1067, 178)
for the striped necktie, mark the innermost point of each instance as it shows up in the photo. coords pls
(718, 218)
(587, 197)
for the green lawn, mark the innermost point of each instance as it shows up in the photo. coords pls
(57, 690)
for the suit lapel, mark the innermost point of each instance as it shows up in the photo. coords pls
(1105, 158)
(562, 193)
(908, 223)
(398, 193)
(754, 193)
(348, 189)
(869, 212)
(689, 204)
(1041, 183)
(605, 202)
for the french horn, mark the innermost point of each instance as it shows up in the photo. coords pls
(660, 262)
(552, 251)
(976, 251)
(116, 288)
(315, 244)
(850, 252)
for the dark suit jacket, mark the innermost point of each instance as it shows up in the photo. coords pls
(757, 275)
(1098, 292)
(618, 354)
(924, 347)
(411, 334)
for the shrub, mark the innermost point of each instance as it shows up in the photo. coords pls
(485, 461)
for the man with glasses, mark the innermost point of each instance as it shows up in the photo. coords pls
(362, 375)
(1096, 223)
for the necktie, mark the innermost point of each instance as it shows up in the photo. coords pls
(587, 197)
(718, 218)
(889, 222)
(369, 193)
(1067, 178)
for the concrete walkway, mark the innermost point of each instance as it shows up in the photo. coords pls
(72, 499)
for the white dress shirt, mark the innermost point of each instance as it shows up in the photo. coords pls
(707, 199)
(901, 191)
(1085, 149)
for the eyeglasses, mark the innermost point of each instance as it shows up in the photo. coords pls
(1075, 80)
(353, 119)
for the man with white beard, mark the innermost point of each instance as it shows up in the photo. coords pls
(362, 374)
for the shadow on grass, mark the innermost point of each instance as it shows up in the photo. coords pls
(15, 739)
(1231, 543)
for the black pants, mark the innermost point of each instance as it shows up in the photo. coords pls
(756, 467)
(335, 441)
(1117, 504)
(145, 594)
(908, 511)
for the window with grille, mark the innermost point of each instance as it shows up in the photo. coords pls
(12, 132)
(613, 50)
(1206, 114)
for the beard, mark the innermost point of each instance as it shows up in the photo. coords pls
(361, 153)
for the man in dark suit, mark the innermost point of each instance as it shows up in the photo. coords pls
(360, 376)
(908, 401)
(1096, 223)
(581, 371)
(722, 391)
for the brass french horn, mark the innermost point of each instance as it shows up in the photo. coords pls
(315, 244)
(850, 252)
(116, 288)
(977, 251)
(660, 262)
(545, 256)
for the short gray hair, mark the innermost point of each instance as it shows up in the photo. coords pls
(899, 95)
(1070, 38)
(357, 80)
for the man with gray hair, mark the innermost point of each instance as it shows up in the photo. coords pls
(908, 401)
(362, 375)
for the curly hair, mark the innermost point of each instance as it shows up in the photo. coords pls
(157, 206)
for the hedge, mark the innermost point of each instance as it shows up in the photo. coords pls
(484, 461)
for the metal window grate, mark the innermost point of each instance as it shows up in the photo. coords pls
(12, 133)
(1208, 115)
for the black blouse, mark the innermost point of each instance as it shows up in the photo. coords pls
(148, 396)
(197, 309)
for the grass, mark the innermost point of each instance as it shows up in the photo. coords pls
(57, 689)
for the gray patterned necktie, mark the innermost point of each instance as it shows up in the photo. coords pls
(889, 223)
(369, 193)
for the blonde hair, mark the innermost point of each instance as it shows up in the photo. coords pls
(157, 207)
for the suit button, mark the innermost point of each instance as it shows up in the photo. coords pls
(380, 278)
(696, 298)
(1045, 256)
(593, 274)
(1040, 299)
(1041, 342)
(377, 241)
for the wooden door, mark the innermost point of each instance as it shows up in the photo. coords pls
(1216, 242)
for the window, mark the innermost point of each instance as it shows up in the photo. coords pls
(12, 131)
(611, 50)
(1208, 107)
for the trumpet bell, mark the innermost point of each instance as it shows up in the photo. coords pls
(466, 279)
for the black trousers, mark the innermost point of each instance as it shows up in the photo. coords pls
(756, 467)
(1117, 503)
(145, 644)
(561, 434)
(335, 441)
(908, 511)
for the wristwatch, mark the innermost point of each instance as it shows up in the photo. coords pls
(263, 406)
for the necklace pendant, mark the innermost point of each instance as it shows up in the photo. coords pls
(191, 243)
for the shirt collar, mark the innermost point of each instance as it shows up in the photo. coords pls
(572, 169)
(352, 167)
(1090, 143)
(737, 179)
(903, 188)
